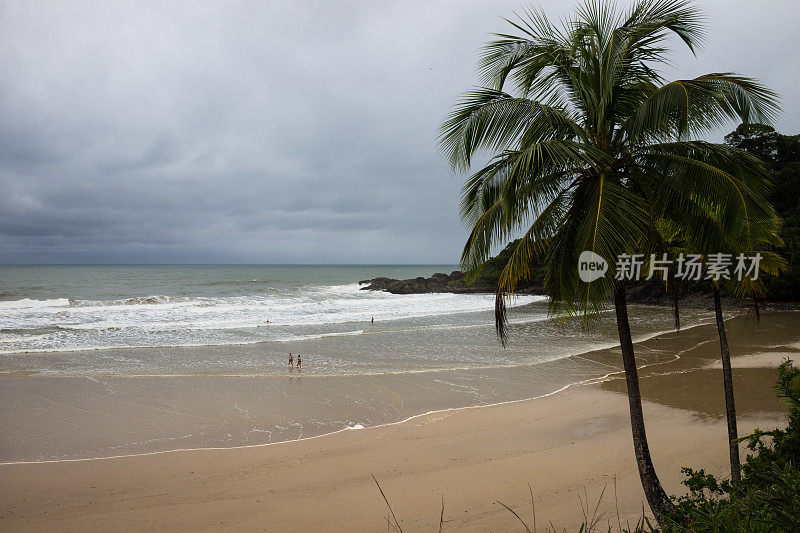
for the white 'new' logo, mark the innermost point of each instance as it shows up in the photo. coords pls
(591, 266)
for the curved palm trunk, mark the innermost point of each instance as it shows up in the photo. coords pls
(727, 378)
(658, 500)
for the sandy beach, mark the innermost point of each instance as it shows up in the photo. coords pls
(360, 266)
(565, 445)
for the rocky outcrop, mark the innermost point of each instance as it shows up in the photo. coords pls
(640, 293)
(453, 282)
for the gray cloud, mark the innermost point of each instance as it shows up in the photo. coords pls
(267, 131)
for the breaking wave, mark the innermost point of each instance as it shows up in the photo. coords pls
(311, 311)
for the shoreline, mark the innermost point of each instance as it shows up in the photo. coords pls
(26, 373)
(303, 439)
(587, 382)
(34, 403)
(590, 358)
(565, 442)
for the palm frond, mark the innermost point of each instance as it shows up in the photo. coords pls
(592, 150)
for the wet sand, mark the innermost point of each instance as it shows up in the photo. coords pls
(561, 444)
(55, 417)
(71, 417)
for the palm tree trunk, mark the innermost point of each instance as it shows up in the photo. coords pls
(676, 312)
(658, 500)
(727, 379)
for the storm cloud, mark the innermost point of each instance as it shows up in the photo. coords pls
(269, 132)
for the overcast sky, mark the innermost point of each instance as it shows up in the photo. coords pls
(269, 132)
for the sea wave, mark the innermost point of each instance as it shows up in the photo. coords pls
(150, 300)
(28, 303)
(223, 283)
(319, 310)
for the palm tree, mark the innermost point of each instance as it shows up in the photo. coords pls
(755, 236)
(590, 152)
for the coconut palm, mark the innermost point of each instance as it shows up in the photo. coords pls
(758, 236)
(589, 148)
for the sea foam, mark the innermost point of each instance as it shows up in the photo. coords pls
(301, 313)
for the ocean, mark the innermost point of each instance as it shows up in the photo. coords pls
(88, 343)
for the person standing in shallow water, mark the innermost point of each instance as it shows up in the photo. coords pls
(291, 361)
(299, 362)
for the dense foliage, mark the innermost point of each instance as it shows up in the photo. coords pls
(590, 145)
(782, 154)
(489, 272)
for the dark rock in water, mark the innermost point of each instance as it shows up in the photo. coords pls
(453, 282)
(649, 293)
(644, 292)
